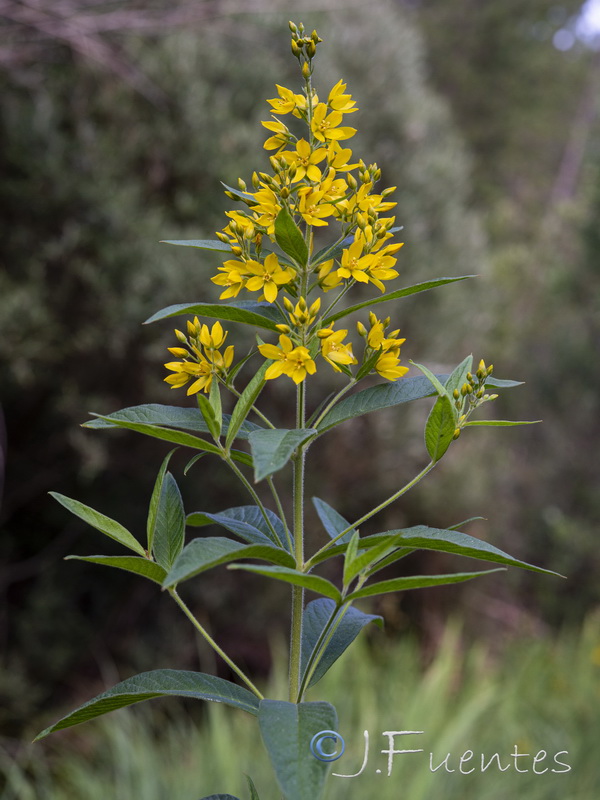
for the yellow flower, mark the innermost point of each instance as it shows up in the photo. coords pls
(387, 366)
(295, 362)
(305, 160)
(232, 277)
(338, 101)
(328, 277)
(266, 209)
(281, 138)
(333, 350)
(324, 126)
(338, 157)
(313, 205)
(268, 276)
(351, 263)
(202, 359)
(287, 101)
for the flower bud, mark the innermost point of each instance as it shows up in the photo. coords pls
(352, 182)
(181, 336)
(296, 49)
(292, 26)
(237, 251)
(456, 433)
(306, 70)
(311, 49)
(289, 306)
(456, 394)
(222, 237)
(255, 180)
(361, 329)
(283, 328)
(284, 193)
(242, 185)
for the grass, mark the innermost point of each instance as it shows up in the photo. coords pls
(541, 695)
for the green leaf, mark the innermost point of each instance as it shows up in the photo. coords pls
(289, 237)
(416, 582)
(421, 537)
(440, 427)
(154, 500)
(287, 730)
(247, 522)
(190, 419)
(245, 196)
(208, 412)
(349, 557)
(417, 287)
(214, 398)
(499, 383)
(192, 461)
(140, 566)
(252, 788)
(433, 379)
(500, 423)
(295, 577)
(166, 434)
(203, 244)
(367, 557)
(159, 683)
(99, 521)
(458, 376)
(316, 616)
(205, 553)
(244, 404)
(273, 448)
(248, 312)
(169, 531)
(333, 522)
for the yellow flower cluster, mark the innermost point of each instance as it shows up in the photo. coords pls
(202, 359)
(314, 182)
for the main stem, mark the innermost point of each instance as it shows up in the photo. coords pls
(298, 522)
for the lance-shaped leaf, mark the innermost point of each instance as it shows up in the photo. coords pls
(313, 582)
(159, 683)
(433, 379)
(260, 315)
(387, 395)
(364, 558)
(500, 423)
(101, 522)
(189, 419)
(333, 522)
(245, 196)
(417, 287)
(440, 427)
(289, 238)
(288, 730)
(416, 582)
(272, 448)
(169, 531)
(244, 404)
(140, 566)
(155, 499)
(205, 553)
(421, 537)
(202, 244)
(317, 615)
(247, 522)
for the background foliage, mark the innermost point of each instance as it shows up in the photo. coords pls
(115, 133)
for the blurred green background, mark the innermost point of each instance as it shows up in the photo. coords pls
(118, 121)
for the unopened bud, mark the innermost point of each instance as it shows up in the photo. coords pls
(292, 26)
(352, 182)
(456, 394)
(285, 192)
(324, 333)
(377, 174)
(469, 377)
(230, 195)
(255, 180)
(315, 37)
(275, 164)
(489, 370)
(296, 49)
(456, 433)
(222, 237)
(361, 221)
(283, 328)
(242, 184)
(361, 329)
(237, 251)
(372, 318)
(302, 304)
(181, 336)
(311, 49)
(306, 70)
(249, 232)
(289, 306)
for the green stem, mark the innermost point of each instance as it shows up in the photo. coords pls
(332, 402)
(297, 591)
(256, 410)
(254, 496)
(213, 644)
(346, 289)
(372, 513)
(280, 510)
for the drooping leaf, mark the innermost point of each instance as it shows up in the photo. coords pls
(169, 531)
(205, 553)
(417, 287)
(101, 522)
(287, 730)
(313, 582)
(272, 448)
(159, 683)
(333, 522)
(260, 315)
(289, 237)
(316, 616)
(140, 566)
(416, 582)
(154, 500)
(203, 244)
(244, 404)
(440, 427)
(189, 419)
(165, 434)
(208, 412)
(433, 379)
(245, 196)
(247, 522)
(421, 537)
